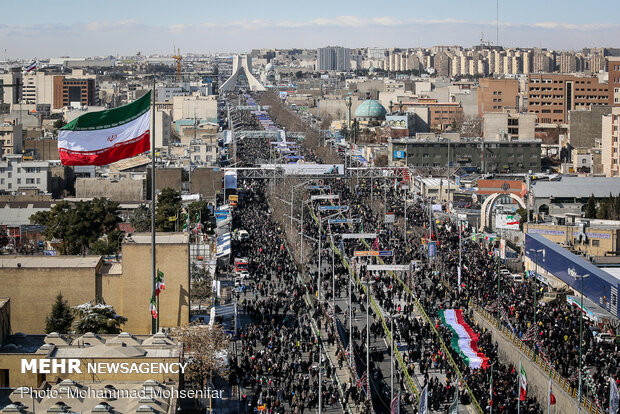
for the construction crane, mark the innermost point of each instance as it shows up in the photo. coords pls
(178, 58)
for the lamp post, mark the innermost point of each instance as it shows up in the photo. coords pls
(576, 276)
(536, 251)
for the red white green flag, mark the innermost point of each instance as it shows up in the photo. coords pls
(160, 283)
(522, 384)
(153, 308)
(101, 138)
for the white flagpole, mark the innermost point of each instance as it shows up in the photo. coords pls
(154, 321)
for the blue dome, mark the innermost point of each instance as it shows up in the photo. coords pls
(370, 109)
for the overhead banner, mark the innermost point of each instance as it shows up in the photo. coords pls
(375, 253)
(344, 221)
(359, 236)
(396, 268)
(308, 169)
(325, 197)
(333, 208)
(318, 187)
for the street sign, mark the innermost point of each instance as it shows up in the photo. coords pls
(333, 208)
(344, 221)
(325, 197)
(359, 235)
(375, 253)
(388, 267)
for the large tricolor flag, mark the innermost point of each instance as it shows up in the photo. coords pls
(522, 383)
(464, 339)
(100, 138)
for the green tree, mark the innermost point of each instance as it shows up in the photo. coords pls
(61, 317)
(168, 206)
(140, 218)
(201, 292)
(78, 225)
(199, 212)
(591, 207)
(59, 123)
(107, 245)
(523, 213)
(97, 318)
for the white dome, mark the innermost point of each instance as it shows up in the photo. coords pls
(268, 67)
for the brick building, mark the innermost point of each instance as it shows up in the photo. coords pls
(495, 95)
(551, 96)
(67, 90)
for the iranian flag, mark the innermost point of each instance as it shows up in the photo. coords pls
(103, 137)
(464, 339)
(160, 283)
(522, 384)
(153, 308)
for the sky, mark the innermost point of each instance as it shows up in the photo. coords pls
(43, 28)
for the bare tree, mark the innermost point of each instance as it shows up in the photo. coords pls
(204, 350)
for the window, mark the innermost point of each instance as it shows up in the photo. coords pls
(19, 181)
(595, 243)
(38, 181)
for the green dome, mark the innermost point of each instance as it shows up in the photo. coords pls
(370, 109)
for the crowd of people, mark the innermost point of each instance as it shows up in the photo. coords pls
(433, 284)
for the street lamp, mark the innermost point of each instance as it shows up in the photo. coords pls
(576, 276)
(536, 251)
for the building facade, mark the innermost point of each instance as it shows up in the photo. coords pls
(552, 96)
(495, 95)
(510, 125)
(68, 91)
(487, 155)
(610, 143)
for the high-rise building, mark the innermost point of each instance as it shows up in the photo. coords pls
(614, 80)
(551, 96)
(333, 58)
(610, 143)
(71, 90)
(10, 94)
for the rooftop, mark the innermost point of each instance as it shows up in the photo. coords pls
(34, 262)
(577, 187)
(161, 238)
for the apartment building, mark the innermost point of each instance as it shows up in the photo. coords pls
(610, 147)
(551, 96)
(614, 80)
(509, 124)
(17, 175)
(442, 114)
(496, 95)
(11, 138)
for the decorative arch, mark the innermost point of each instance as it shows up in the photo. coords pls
(489, 203)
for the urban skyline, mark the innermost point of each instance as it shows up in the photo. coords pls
(46, 30)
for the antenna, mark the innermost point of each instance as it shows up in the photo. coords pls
(497, 22)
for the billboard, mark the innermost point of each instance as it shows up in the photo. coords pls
(465, 200)
(309, 169)
(399, 155)
(507, 221)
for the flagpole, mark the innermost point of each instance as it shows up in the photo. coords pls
(154, 321)
(549, 395)
(519, 388)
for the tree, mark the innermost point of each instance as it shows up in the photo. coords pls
(97, 318)
(59, 123)
(61, 317)
(107, 245)
(591, 207)
(140, 219)
(523, 213)
(201, 292)
(78, 225)
(168, 206)
(205, 349)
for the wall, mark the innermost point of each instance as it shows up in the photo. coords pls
(45, 149)
(121, 191)
(169, 178)
(5, 318)
(537, 378)
(33, 291)
(585, 126)
(173, 260)
(205, 181)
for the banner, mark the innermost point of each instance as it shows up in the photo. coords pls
(344, 221)
(325, 197)
(374, 253)
(388, 267)
(389, 218)
(359, 235)
(333, 208)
